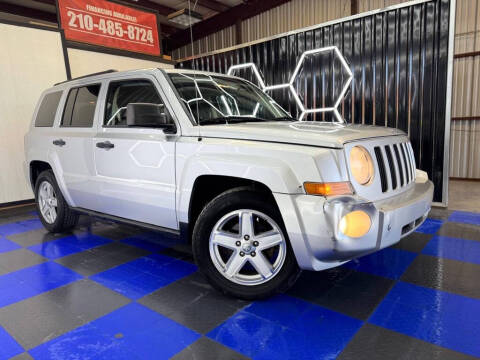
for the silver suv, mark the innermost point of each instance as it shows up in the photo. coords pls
(215, 161)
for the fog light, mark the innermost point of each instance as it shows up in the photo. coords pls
(355, 224)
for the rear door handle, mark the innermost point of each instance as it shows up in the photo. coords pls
(105, 145)
(59, 142)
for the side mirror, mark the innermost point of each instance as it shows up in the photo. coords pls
(150, 115)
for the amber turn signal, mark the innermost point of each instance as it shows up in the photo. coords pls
(328, 189)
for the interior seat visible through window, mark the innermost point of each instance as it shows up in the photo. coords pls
(122, 93)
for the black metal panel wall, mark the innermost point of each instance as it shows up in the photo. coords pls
(399, 62)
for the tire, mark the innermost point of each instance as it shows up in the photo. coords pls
(65, 218)
(214, 247)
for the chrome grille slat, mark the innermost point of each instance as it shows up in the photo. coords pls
(412, 156)
(400, 165)
(388, 172)
(411, 161)
(405, 167)
(393, 166)
(381, 168)
(409, 155)
(407, 164)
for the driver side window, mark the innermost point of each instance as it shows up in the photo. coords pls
(122, 93)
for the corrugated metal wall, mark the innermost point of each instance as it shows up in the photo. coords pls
(367, 5)
(290, 16)
(465, 130)
(399, 62)
(465, 135)
(219, 40)
(293, 15)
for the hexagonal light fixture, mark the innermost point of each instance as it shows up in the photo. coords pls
(231, 70)
(291, 88)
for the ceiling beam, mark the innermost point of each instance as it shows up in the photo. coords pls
(46, 2)
(222, 21)
(213, 5)
(28, 12)
(162, 9)
(168, 29)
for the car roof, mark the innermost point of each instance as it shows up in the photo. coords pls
(112, 74)
(193, 72)
(91, 78)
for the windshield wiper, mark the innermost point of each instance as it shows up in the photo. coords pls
(285, 118)
(230, 120)
(215, 121)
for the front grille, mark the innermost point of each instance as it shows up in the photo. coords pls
(396, 165)
(381, 168)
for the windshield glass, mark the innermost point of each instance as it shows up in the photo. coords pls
(212, 99)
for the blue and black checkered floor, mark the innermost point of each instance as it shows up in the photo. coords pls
(115, 292)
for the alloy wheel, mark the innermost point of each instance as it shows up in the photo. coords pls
(247, 247)
(47, 201)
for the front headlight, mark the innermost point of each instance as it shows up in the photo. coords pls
(361, 165)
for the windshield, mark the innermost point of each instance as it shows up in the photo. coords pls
(212, 99)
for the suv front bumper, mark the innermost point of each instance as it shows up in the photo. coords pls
(312, 223)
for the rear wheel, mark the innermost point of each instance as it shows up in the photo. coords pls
(241, 245)
(54, 212)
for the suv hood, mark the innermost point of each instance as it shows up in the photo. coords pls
(324, 134)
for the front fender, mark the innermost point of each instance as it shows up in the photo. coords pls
(282, 168)
(273, 173)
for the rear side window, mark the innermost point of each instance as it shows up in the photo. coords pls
(48, 108)
(80, 106)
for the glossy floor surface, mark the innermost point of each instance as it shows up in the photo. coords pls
(115, 292)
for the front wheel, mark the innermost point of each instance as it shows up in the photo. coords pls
(240, 244)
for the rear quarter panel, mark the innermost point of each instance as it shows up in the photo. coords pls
(38, 144)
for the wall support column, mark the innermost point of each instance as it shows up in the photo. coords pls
(238, 32)
(353, 7)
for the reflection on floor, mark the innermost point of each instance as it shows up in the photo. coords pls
(464, 195)
(109, 291)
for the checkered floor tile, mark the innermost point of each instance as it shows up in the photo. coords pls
(109, 291)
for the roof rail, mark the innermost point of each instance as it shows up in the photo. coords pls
(86, 76)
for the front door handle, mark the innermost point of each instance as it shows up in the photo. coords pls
(105, 145)
(59, 142)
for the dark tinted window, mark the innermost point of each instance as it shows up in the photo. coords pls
(122, 93)
(67, 112)
(47, 110)
(80, 107)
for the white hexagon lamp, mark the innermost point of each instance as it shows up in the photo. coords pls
(232, 69)
(340, 96)
(289, 85)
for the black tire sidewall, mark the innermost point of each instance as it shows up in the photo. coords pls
(224, 203)
(62, 206)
